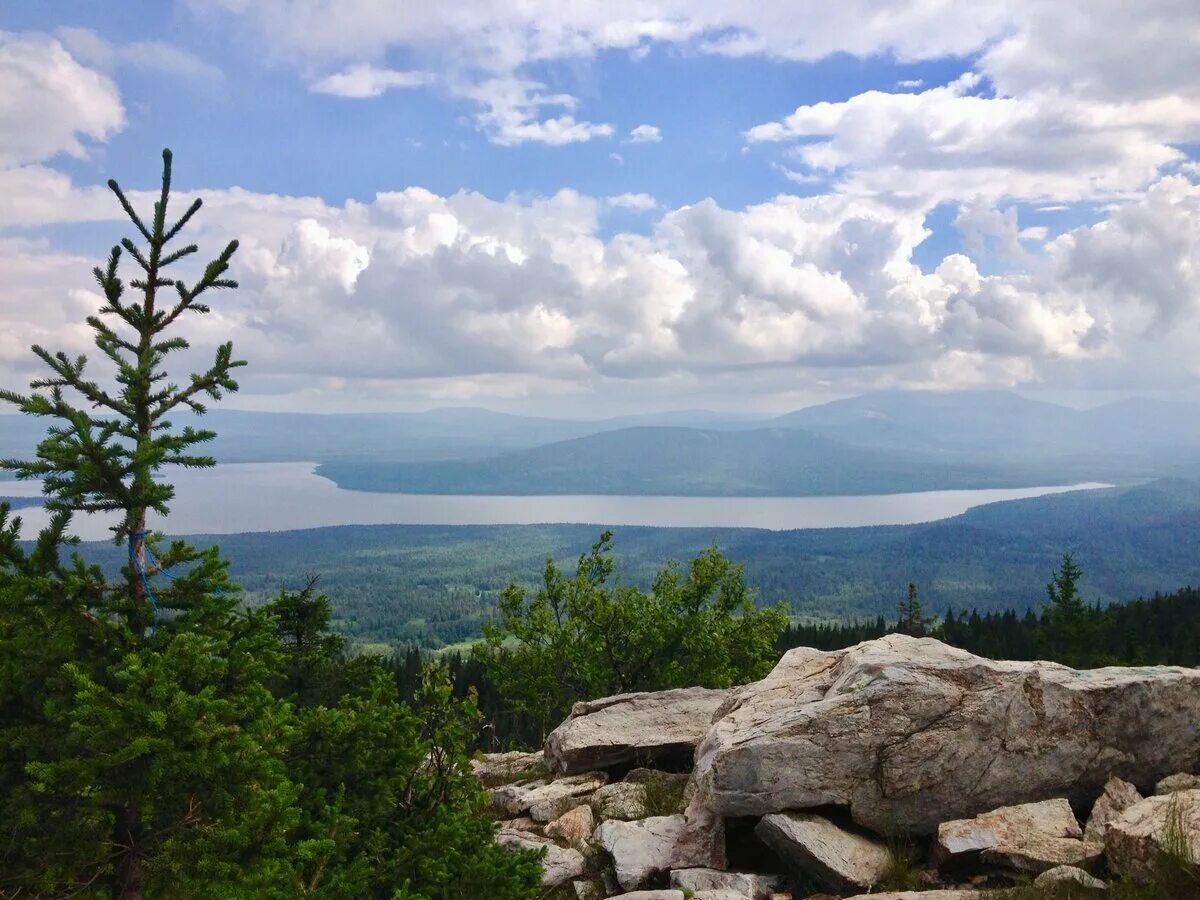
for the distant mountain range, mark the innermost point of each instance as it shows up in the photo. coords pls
(878, 443)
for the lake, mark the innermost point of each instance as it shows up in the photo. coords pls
(288, 496)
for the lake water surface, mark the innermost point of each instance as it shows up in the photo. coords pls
(287, 496)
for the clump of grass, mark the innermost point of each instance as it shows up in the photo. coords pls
(903, 872)
(664, 795)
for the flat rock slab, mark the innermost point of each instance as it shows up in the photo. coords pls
(1032, 837)
(651, 895)
(1179, 782)
(574, 827)
(494, 769)
(559, 865)
(1135, 840)
(749, 885)
(815, 846)
(549, 801)
(629, 728)
(909, 732)
(1070, 875)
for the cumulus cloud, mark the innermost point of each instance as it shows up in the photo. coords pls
(636, 202)
(363, 81)
(952, 142)
(51, 104)
(645, 134)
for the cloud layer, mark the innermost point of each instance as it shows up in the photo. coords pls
(415, 296)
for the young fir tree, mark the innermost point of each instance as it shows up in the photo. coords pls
(912, 619)
(141, 743)
(156, 739)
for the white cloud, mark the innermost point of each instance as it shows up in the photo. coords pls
(911, 83)
(91, 49)
(362, 81)
(512, 114)
(645, 134)
(638, 202)
(948, 143)
(49, 102)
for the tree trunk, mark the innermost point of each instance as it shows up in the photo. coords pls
(128, 885)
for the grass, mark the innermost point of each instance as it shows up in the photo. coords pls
(664, 795)
(903, 872)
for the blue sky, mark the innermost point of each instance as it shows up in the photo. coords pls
(823, 201)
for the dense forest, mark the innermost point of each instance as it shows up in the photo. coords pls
(1161, 630)
(394, 585)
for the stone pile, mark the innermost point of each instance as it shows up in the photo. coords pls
(899, 764)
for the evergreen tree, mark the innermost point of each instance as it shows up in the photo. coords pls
(391, 808)
(142, 747)
(156, 738)
(912, 621)
(1067, 628)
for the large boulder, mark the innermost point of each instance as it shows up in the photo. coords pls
(954, 894)
(614, 731)
(574, 827)
(1181, 781)
(814, 846)
(559, 865)
(1166, 823)
(909, 732)
(622, 800)
(549, 801)
(1032, 837)
(650, 847)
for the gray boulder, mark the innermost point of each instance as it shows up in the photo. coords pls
(628, 728)
(648, 847)
(814, 846)
(1136, 840)
(910, 732)
(1032, 837)
(558, 866)
(1181, 781)
(742, 884)
(1118, 796)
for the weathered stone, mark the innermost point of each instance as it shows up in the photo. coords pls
(559, 865)
(909, 732)
(1070, 875)
(621, 800)
(1031, 837)
(815, 846)
(957, 894)
(588, 890)
(508, 800)
(524, 823)
(1181, 781)
(1118, 796)
(651, 895)
(719, 894)
(648, 847)
(627, 728)
(1135, 841)
(709, 881)
(574, 827)
(550, 801)
(494, 769)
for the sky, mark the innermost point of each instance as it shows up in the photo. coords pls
(595, 208)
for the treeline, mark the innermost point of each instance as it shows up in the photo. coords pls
(1161, 630)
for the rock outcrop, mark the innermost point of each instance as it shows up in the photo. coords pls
(901, 737)
(632, 728)
(908, 733)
